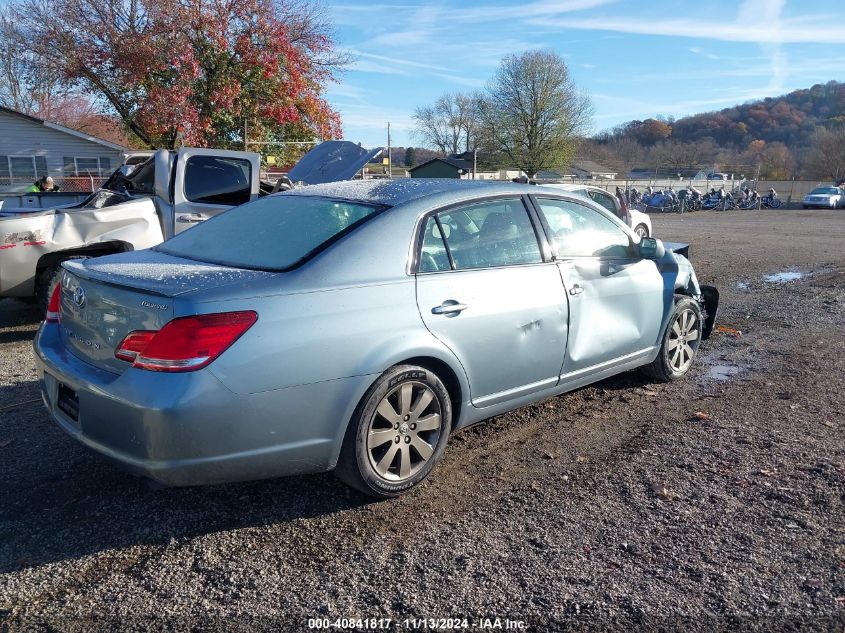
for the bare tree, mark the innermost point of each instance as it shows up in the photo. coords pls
(25, 84)
(826, 156)
(450, 123)
(533, 114)
(675, 155)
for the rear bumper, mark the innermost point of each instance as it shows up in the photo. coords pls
(188, 429)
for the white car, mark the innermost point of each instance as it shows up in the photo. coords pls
(637, 220)
(825, 198)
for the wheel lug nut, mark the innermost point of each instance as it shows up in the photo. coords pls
(413, 426)
(407, 417)
(397, 439)
(396, 426)
(407, 439)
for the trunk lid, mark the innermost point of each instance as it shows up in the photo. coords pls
(104, 299)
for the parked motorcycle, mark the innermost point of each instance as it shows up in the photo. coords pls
(660, 199)
(771, 200)
(691, 198)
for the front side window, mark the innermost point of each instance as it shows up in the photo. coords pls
(218, 180)
(484, 235)
(578, 231)
(272, 233)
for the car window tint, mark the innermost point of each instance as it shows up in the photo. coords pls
(579, 231)
(495, 233)
(217, 180)
(433, 255)
(272, 233)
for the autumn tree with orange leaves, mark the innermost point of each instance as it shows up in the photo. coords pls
(192, 72)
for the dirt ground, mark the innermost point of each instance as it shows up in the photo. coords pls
(714, 503)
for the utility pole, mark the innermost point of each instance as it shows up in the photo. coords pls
(389, 155)
(474, 162)
(246, 132)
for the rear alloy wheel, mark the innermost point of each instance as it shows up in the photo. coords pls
(680, 341)
(641, 230)
(398, 432)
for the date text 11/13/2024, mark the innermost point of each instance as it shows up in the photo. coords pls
(430, 624)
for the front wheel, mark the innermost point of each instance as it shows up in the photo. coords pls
(681, 341)
(397, 434)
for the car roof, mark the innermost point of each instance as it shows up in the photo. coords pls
(403, 190)
(576, 187)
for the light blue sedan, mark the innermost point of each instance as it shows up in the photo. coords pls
(355, 327)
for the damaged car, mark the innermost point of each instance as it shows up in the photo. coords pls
(363, 325)
(162, 196)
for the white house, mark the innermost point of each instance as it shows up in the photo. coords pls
(31, 148)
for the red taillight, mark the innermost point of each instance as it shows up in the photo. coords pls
(54, 306)
(186, 343)
(134, 344)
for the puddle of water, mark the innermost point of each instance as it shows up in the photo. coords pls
(782, 277)
(723, 372)
(742, 285)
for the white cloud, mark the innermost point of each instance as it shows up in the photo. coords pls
(790, 32)
(398, 61)
(367, 66)
(517, 11)
(767, 15)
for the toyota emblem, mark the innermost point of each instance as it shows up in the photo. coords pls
(79, 297)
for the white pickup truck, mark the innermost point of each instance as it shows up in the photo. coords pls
(170, 192)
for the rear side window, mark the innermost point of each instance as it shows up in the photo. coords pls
(272, 233)
(579, 231)
(218, 180)
(433, 256)
(484, 235)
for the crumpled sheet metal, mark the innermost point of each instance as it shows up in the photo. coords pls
(25, 239)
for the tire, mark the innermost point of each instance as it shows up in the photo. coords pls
(46, 281)
(385, 453)
(670, 365)
(641, 230)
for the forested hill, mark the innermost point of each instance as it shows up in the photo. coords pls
(790, 119)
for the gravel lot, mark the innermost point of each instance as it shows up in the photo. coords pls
(711, 504)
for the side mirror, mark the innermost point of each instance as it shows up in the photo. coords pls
(651, 248)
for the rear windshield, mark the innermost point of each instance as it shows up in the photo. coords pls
(273, 233)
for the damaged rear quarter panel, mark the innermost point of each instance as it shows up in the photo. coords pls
(25, 239)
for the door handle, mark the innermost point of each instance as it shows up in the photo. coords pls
(191, 217)
(449, 307)
(576, 290)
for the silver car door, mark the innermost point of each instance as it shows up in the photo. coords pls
(616, 299)
(208, 182)
(488, 293)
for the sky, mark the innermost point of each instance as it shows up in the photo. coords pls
(635, 59)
